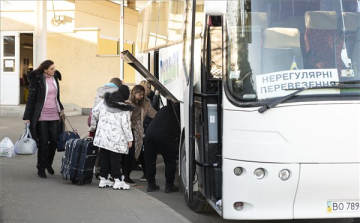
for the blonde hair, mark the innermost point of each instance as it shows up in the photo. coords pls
(145, 83)
(134, 90)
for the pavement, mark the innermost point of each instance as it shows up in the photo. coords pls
(24, 197)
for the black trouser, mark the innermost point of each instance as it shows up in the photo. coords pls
(47, 133)
(128, 160)
(166, 146)
(110, 161)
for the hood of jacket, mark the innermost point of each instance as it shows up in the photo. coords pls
(33, 75)
(102, 90)
(115, 106)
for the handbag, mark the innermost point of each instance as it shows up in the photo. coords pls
(7, 148)
(26, 145)
(66, 135)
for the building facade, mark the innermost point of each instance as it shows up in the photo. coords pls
(81, 37)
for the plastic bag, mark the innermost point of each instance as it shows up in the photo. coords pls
(7, 148)
(25, 145)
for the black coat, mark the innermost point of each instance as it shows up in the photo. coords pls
(36, 98)
(165, 124)
(155, 99)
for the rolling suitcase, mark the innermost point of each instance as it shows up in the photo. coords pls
(78, 161)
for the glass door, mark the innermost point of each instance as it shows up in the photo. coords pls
(9, 68)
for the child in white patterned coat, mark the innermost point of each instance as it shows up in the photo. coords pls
(113, 135)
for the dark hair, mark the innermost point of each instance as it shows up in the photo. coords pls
(44, 66)
(114, 97)
(116, 81)
(124, 90)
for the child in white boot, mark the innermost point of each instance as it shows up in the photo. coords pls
(121, 185)
(113, 135)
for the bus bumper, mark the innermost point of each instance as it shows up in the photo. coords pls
(307, 194)
(328, 191)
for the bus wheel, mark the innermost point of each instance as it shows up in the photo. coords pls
(199, 203)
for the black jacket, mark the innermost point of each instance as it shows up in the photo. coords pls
(155, 103)
(165, 124)
(36, 98)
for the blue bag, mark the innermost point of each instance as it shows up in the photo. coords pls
(65, 136)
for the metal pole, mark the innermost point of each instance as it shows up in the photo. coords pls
(121, 39)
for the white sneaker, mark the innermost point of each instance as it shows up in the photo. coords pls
(120, 185)
(105, 183)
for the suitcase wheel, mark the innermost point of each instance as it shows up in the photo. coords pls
(80, 183)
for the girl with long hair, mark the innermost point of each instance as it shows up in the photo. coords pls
(143, 108)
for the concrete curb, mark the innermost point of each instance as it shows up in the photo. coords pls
(17, 111)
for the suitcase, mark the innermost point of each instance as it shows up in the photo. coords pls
(64, 137)
(79, 160)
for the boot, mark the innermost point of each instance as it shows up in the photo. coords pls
(41, 173)
(129, 181)
(152, 187)
(50, 170)
(120, 185)
(169, 188)
(105, 183)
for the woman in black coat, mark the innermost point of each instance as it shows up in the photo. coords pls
(43, 111)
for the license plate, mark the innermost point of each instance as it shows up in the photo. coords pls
(342, 206)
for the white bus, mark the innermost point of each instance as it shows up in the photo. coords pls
(270, 103)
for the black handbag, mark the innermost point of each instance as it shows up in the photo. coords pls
(66, 135)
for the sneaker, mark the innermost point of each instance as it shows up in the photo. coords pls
(105, 182)
(129, 181)
(50, 170)
(152, 187)
(110, 178)
(120, 185)
(169, 188)
(143, 178)
(41, 173)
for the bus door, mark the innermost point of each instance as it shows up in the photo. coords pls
(207, 103)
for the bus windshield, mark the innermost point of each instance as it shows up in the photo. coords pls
(274, 46)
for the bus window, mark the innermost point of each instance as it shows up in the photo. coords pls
(275, 46)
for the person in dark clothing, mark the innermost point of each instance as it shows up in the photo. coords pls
(42, 112)
(162, 136)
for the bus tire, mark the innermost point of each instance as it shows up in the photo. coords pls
(199, 203)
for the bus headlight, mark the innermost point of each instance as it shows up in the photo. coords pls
(259, 173)
(238, 171)
(284, 174)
